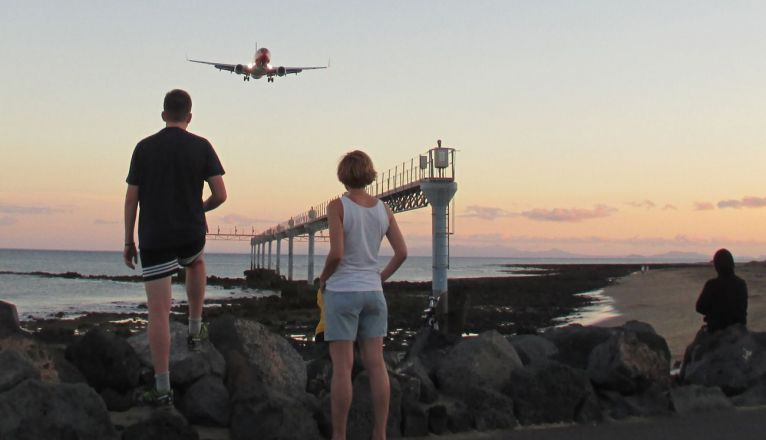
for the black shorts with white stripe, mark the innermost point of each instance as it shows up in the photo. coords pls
(161, 263)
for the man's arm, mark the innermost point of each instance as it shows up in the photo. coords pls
(217, 193)
(129, 253)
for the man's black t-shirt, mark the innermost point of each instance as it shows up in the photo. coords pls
(170, 169)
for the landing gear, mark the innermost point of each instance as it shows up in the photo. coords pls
(270, 79)
(246, 78)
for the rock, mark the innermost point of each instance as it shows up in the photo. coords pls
(458, 416)
(49, 361)
(626, 364)
(275, 417)
(361, 416)
(438, 419)
(733, 359)
(551, 392)
(14, 369)
(754, 396)
(161, 425)
(206, 402)
(490, 409)
(115, 401)
(9, 319)
(257, 360)
(654, 401)
(185, 366)
(413, 368)
(484, 361)
(415, 419)
(575, 342)
(533, 348)
(35, 409)
(106, 361)
(693, 399)
(319, 372)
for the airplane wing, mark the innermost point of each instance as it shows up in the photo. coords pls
(219, 66)
(297, 70)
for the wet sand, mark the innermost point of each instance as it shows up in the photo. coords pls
(665, 298)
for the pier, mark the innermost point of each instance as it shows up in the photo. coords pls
(428, 179)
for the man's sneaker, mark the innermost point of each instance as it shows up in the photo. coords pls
(194, 342)
(158, 399)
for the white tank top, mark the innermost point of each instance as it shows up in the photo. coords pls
(363, 230)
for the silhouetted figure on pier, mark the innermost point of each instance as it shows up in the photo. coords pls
(723, 300)
(167, 173)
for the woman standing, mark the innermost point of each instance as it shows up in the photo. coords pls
(355, 308)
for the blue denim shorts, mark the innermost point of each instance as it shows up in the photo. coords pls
(355, 315)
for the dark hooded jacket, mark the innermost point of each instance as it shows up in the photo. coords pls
(723, 300)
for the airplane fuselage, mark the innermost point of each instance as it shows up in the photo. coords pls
(259, 67)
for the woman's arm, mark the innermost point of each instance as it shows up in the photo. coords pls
(395, 238)
(335, 221)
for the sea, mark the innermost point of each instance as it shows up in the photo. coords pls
(45, 297)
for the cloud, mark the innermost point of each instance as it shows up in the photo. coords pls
(745, 202)
(570, 215)
(7, 208)
(7, 220)
(486, 212)
(237, 219)
(703, 206)
(100, 221)
(648, 204)
(669, 207)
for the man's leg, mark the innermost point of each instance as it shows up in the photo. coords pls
(196, 279)
(158, 295)
(342, 355)
(371, 350)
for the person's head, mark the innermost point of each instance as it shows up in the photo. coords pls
(355, 170)
(177, 107)
(723, 262)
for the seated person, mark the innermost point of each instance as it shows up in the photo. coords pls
(723, 300)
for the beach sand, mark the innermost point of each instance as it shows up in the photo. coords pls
(665, 298)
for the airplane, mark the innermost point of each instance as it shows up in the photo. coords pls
(259, 67)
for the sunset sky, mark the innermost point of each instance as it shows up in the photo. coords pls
(594, 127)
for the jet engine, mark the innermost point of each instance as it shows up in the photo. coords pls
(281, 71)
(239, 69)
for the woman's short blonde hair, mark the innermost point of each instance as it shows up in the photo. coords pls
(355, 170)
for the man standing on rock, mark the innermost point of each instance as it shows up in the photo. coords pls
(167, 175)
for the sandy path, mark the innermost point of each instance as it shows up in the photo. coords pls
(665, 299)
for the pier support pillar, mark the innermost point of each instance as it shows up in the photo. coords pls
(269, 261)
(279, 248)
(290, 258)
(310, 277)
(252, 253)
(263, 255)
(439, 195)
(258, 255)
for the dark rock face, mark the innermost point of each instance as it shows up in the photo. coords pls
(653, 401)
(626, 364)
(275, 417)
(257, 359)
(206, 402)
(14, 369)
(360, 417)
(575, 342)
(186, 367)
(550, 392)
(533, 348)
(692, 399)
(490, 409)
(161, 425)
(9, 319)
(106, 361)
(484, 361)
(415, 369)
(754, 396)
(733, 359)
(49, 361)
(37, 410)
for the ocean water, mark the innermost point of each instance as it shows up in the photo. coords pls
(38, 297)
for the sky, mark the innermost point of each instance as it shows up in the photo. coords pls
(594, 127)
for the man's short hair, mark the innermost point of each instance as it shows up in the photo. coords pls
(355, 170)
(177, 105)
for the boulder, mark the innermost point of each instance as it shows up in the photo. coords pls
(9, 319)
(414, 419)
(186, 367)
(733, 359)
(490, 409)
(257, 360)
(118, 402)
(458, 416)
(482, 362)
(551, 392)
(754, 396)
(575, 342)
(624, 363)
(533, 348)
(654, 401)
(35, 409)
(161, 425)
(361, 416)
(691, 399)
(14, 369)
(415, 369)
(274, 417)
(206, 402)
(106, 360)
(49, 361)
(319, 372)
